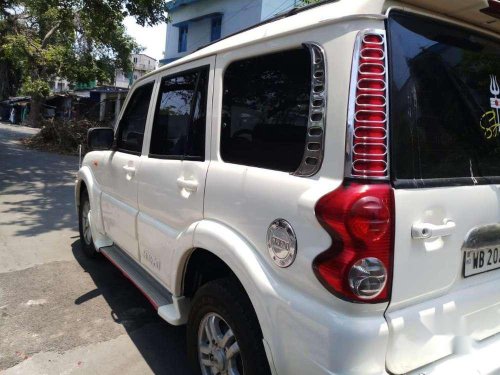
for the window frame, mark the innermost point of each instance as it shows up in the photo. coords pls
(119, 126)
(158, 93)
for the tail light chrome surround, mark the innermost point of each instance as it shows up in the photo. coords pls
(315, 139)
(367, 142)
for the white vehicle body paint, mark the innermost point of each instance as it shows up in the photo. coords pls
(435, 322)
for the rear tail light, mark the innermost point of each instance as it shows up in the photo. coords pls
(359, 215)
(360, 219)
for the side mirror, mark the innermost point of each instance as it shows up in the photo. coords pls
(100, 139)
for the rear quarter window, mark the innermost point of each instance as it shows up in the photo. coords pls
(265, 110)
(444, 104)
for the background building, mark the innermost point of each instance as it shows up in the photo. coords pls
(60, 85)
(195, 23)
(142, 64)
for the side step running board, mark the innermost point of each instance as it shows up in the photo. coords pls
(173, 309)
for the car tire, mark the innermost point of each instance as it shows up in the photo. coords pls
(86, 241)
(223, 304)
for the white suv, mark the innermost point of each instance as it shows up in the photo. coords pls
(318, 194)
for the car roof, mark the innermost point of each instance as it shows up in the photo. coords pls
(296, 19)
(474, 12)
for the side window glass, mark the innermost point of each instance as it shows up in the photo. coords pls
(131, 128)
(265, 110)
(179, 123)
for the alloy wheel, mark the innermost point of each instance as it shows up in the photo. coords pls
(218, 349)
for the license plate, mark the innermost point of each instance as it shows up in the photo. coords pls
(481, 260)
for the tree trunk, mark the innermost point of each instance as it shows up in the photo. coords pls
(10, 79)
(35, 115)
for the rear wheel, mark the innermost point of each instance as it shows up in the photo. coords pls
(86, 240)
(223, 334)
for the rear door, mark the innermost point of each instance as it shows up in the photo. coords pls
(173, 171)
(445, 165)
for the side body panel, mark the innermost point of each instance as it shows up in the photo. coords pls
(305, 334)
(302, 322)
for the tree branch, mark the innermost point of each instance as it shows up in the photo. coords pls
(49, 34)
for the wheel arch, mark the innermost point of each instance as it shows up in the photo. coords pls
(236, 256)
(80, 187)
(203, 266)
(85, 180)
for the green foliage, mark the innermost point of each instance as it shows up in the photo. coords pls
(36, 88)
(79, 40)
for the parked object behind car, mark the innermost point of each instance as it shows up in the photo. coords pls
(315, 195)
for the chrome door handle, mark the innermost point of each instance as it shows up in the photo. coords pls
(129, 169)
(189, 185)
(427, 230)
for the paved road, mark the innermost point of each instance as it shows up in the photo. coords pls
(60, 312)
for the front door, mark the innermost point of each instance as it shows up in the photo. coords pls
(172, 175)
(119, 198)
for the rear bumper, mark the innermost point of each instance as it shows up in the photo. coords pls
(458, 333)
(456, 330)
(472, 358)
(308, 338)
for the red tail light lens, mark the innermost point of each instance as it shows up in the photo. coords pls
(369, 219)
(360, 221)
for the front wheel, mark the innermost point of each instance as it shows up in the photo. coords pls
(223, 333)
(86, 240)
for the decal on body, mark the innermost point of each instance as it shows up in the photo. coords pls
(151, 259)
(490, 121)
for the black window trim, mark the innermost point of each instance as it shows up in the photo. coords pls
(442, 19)
(115, 147)
(419, 183)
(158, 101)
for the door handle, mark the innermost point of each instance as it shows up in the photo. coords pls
(129, 168)
(427, 230)
(189, 185)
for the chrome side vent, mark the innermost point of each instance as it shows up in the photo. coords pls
(315, 139)
(367, 127)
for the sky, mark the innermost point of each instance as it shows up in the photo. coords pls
(152, 38)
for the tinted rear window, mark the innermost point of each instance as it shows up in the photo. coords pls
(445, 101)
